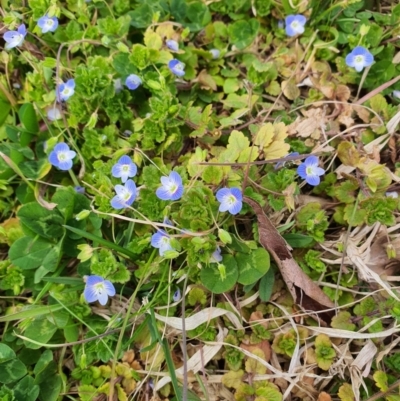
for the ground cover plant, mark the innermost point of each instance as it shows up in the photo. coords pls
(199, 200)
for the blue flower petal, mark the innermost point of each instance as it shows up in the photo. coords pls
(90, 294)
(236, 208)
(177, 194)
(109, 287)
(163, 194)
(311, 161)
(237, 193)
(302, 171)
(102, 297)
(313, 180)
(222, 193)
(64, 164)
(117, 202)
(175, 177)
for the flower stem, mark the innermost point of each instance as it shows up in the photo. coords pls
(73, 177)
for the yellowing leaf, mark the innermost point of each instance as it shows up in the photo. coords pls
(381, 380)
(270, 138)
(152, 40)
(254, 366)
(192, 166)
(248, 155)
(213, 175)
(346, 392)
(236, 143)
(232, 379)
(348, 154)
(276, 150)
(290, 90)
(264, 136)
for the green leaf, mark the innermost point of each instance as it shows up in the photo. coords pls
(45, 367)
(31, 311)
(298, 240)
(198, 15)
(29, 253)
(28, 118)
(11, 371)
(51, 389)
(343, 321)
(102, 241)
(140, 56)
(211, 277)
(266, 285)
(41, 331)
(252, 266)
(46, 223)
(5, 108)
(26, 390)
(242, 33)
(6, 353)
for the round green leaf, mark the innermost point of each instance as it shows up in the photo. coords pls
(6, 353)
(11, 371)
(211, 276)
(252, 266)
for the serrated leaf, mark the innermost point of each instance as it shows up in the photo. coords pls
(348, 154)
(199, 156)
(290, 89)
(381, 380)
(346, 392)
(255, 367)
(343, 321)
(232, 379)
(345, 192)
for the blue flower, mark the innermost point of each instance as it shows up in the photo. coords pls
(172, 188)
(282, 163)
(177, 67)
(309, 170)
(172, 45)
(359, 58)
(54, 113)
(216, 256)
(133, 82)
(177, 295)
(48, 24)
(295, 24)
(98, 289)
(62, 156)
(15, 38)
(230, 199)
(162, 241)
(215, 53)
(126, 195)
(79, 190)
(66, 90)
(124, 168)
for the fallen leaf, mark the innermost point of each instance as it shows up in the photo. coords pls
(303, 290)
(264, 346)
(324, 397)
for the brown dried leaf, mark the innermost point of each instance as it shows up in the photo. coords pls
(342, 93)
(264, 346)
(309, 126)
(324, 397)
(303, 290)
